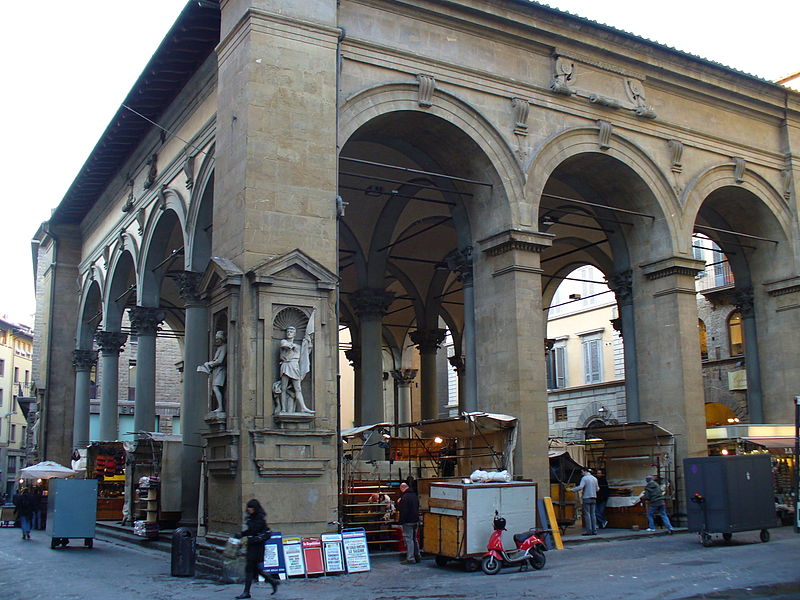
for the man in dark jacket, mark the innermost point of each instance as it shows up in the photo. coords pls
(654, 496)
(408, 509)
(603, 493)
(23, 502)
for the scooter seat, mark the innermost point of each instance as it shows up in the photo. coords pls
(521, 537)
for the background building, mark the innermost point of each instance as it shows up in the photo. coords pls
(16, 350)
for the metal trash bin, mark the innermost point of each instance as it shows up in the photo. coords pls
(184, 549)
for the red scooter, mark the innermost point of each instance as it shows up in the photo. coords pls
(529, 551)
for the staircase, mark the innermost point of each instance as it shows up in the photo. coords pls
(358, 511)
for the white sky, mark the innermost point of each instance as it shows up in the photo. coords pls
(71, 64)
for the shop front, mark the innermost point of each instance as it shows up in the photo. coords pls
(628, 453)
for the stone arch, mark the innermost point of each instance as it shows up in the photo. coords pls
(162, 222)
(373, 102)
(719, 176)
(199, 217)
(89, 313)
(122, 275)
(554, 151)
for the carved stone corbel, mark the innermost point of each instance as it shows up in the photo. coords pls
(188, 168)
(140, 219)
(427, 84)
(675, 155)
(129, 200)
(604, 129)
(739, 166)
(152, 171)
(636, 94)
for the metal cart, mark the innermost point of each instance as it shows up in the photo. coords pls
(729, 494)
(71, 511)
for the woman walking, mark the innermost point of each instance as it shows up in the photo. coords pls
(257, 533)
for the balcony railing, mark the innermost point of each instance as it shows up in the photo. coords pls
(715, 275)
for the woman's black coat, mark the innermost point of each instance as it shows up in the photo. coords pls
(256, 533)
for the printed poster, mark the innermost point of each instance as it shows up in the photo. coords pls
(312, 555)
(332, 551)
(355, 550)
(293, 556)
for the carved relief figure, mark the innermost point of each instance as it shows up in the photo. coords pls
(216, 368)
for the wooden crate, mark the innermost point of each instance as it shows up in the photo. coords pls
(443, 535)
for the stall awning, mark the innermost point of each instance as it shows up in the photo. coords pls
(627, 432)
(773, 442)
(356, 430)
(465, 425)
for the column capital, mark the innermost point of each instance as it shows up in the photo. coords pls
(188, 283)
(622, 285)
(428, 340)
(354, 356)
(457, 362)
(110, 342)
(460, 261)
(84, 360)
(145, 319)
(404, 377)
(371, 302)
(744, 301)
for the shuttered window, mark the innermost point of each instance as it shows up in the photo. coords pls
(592, 358)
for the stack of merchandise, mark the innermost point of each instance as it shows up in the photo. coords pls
(149, 481)
(145, 529)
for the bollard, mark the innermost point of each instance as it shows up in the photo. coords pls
(183, 552)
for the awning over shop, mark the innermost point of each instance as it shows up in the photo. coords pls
(627, 432)
(776, 442)
(465, 425)
(777, 438)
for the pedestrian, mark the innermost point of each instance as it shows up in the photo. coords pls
(603, 492)
(23, 502)
(588, 488)
(36, 517)
(408, 508)
(654, 496)
(257, 533)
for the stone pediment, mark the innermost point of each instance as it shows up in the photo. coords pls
(221, 272)
(293, 268)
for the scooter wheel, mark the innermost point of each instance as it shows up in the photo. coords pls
(490, 565)
(537, 559)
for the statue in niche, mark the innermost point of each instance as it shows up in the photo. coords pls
(294, 364)
(217, 370)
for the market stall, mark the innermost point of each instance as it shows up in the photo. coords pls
(429, 451)
(105, 463)
(628, 453)
(565, 472)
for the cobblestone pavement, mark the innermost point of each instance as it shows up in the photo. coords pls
(645, 567)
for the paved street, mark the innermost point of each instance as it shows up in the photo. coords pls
(661, 567)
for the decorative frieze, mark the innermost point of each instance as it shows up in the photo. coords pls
(516, 239)
(783, 287)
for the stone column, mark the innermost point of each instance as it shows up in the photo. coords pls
(144, 324)
(404, 379)
(354, 356)
(370, 305)
(195, 392)
(622, 284)
(755, 405)
(460, 261)
(668, 348)
(428, 342)
(111, 343)
(511, 332)
(82, 361)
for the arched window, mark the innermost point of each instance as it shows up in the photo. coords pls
(701, 330)
(735, 333)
